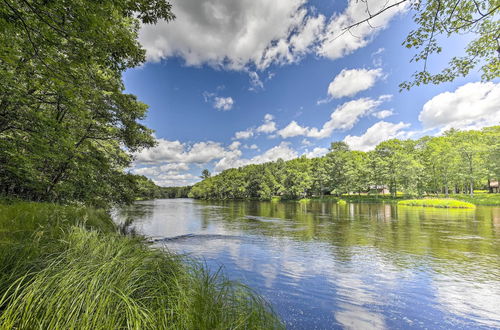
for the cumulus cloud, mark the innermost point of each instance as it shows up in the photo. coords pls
(175, 179)
(232, 33)
(157, 170)
(293, 129)
(232, 160)
(316, 152)
(223, 103)
(338, 42)
(471, 106)
(257, 33)
(383, 114)
(218, 102)
(269, 125)
(351, 82)
(377, 133)
(177, 152)
(344, 117)
(244, 134)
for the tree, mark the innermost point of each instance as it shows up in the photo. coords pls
(205, 174)
(66, 126)
(439, 19)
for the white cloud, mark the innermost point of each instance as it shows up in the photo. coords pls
(344, 117)
(377, 133)
(351, 82)
(255, 82)
(218, 102)
(172, 180)
(471, 106)
(338, 42)
(232, 160)
(383, 114)
(157, 170)
(167, 164)
(268, 117)
(244, 134)
(316, 152)
(306, 142)
(247, 34)
(235, 145)
(223, 103)
(269, 125)
(377, 57)
(232, 33)
(177, 152)
(293, 129)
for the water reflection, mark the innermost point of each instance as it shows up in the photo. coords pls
(324, 265)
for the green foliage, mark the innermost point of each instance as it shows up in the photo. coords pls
(66, 125)
(437, 20)
(437, 202)
(457, 162)
(67, 267)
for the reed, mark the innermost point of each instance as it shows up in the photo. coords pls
(74, 270)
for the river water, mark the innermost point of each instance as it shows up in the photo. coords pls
(328, 266)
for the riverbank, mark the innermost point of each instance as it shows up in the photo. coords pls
(477, 199)
(69, 267)
(446, 203)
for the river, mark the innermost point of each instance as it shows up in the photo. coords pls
(328, 266)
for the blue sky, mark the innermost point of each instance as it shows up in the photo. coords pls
(233, 83)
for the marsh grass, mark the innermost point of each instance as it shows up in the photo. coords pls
(74, 270)
(438, 202)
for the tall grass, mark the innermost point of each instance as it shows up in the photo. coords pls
(437, 202)
(73, 270)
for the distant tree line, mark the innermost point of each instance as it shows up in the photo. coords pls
(456, 162)
(145, 189)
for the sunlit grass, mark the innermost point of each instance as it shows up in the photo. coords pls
(275, 199)
(304, 200)
(480, 198)
(67, 268)
(437, 202)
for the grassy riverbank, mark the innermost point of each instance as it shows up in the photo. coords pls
(480, 198)
(438, 202)
(68, 267)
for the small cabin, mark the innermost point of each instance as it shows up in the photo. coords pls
(379, 189)
(494, 187)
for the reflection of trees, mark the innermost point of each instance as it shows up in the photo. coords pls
(465, 236)
(125, 216)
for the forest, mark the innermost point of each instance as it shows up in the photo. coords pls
(456, 162)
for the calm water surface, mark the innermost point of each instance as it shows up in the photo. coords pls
(361, 266)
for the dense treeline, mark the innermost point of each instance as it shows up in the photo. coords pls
(146, 189)
(66, 126)
(457, 162)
